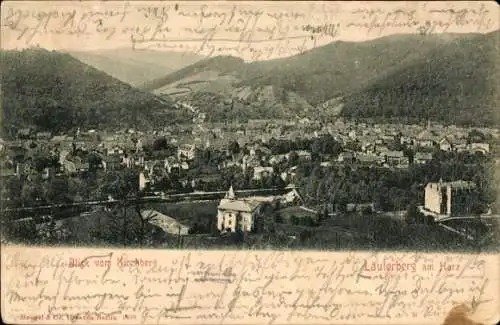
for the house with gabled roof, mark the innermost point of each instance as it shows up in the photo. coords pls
(302, 154)
(445, 144)
(381, 150)
(421, 158)
(186, 151)
(276, 159)
(346, 157)
(112, 162)
(406, 140)
(172, 164)
(369, 159)
(238, 214)
(115, 150)
(292, 197)
(459, 144)
(168, 224)
(482, 147)
(260, 172)
(426, 139)
(43, 135)
(396, 158)
(24, 133)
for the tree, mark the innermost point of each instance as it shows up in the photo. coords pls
(121, 184)
(341, 204)
(234, 147)
(238, 237)
(160, 143)
(11, 189)
(413, 216)
(475, 136)
(316, 149)
(42, 159)
(57, 191)
(144, 220)
(21, 231)
(305, 235)
(408, 152)
(323, 214)
(293, 159)
(367, 210)
(275, 181)
(94, 160)
(31, 193)
(308, 221)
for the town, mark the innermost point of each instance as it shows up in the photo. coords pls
(272, 181)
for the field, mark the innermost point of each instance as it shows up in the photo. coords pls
(189, 213)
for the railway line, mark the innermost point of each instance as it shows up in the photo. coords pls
(80, 207)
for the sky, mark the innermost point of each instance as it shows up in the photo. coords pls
(250, 30)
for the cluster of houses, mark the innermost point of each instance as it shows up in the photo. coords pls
(373, 145)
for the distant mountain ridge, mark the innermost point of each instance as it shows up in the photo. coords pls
(136, 67)
(347, 71)
(52, 91)
(447, 78)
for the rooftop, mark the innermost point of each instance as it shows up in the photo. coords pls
(455, 184)
(423, 155)
(398, 154)
(159, 219)
(426, 135)
(186, 147)
(241, 205)
(461, 184)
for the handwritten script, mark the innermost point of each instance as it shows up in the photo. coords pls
(152, 287)
(253, 31)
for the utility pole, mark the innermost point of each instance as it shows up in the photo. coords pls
(179, 237)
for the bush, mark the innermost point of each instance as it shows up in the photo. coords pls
(308, 221)
(367, 210)
(198, 229)
(413, 216)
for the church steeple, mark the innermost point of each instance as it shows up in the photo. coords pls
(230, 193)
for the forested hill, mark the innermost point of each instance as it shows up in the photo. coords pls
(450, 78)
(317, 75)
(457, 82)
(51, 91)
